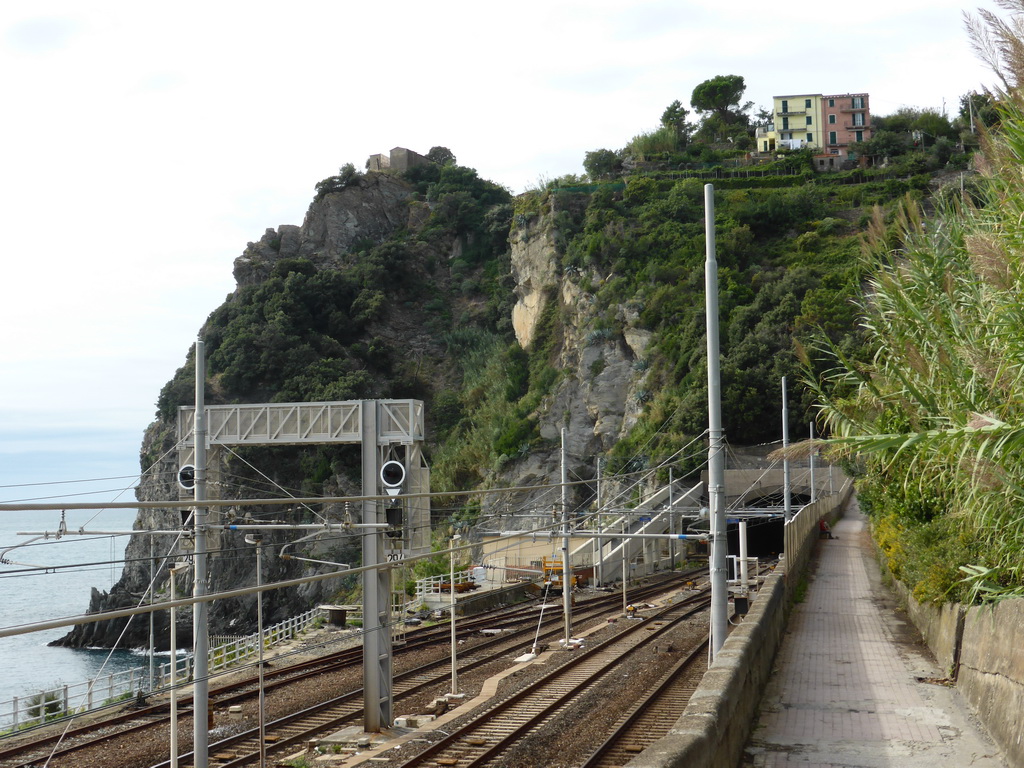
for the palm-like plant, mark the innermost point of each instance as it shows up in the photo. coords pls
(937, 416)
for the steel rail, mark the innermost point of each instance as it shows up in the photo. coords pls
(653, 716)
(300, 727)
(495, 730)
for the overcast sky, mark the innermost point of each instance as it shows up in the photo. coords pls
(145, 145)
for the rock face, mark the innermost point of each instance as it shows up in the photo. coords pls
(596, 399)
(534, 266)
(600, 393)
(370, 208)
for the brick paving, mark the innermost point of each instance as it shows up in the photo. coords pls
(848, 688)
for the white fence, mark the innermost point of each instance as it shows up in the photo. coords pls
(432, 585)
(37, 708)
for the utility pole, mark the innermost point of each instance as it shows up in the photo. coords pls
(671, 524)
(716, 436)
(377, 662)
(599, 573)
(814, 488)
(257, 540)
(152, 635)
(200, 611)
(566, 564)
(451, 595)
(786, 489)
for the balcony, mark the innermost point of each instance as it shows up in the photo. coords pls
(792, 113)
(855, 127)
(854, 109)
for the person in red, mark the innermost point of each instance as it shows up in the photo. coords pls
(824, 530)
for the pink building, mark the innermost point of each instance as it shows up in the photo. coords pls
(846, 121)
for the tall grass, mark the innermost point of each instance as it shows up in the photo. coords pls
(937, 416)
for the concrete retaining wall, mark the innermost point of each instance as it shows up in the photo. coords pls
(478, 602)
(991, 672)
(941, 626)
(801, 532)
(716, 724)
(981, 648)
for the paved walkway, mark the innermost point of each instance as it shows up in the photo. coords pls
(849, 686)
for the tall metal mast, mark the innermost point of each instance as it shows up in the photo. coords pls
(200, 611)
(716, 437)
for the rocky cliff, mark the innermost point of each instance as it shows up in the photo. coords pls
(367, 212)
(602, 371)
(578, 309)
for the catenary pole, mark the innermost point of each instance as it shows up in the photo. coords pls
(600, 529)
(174, 667)
(377, 660)
(451, 596)
(671, 523)
(200, 613)
(716, 437)
(814, 487)
(152, 629)
(257, 540)
(566, 564)
(786, 487)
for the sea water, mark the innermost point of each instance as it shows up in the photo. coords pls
(45, 580)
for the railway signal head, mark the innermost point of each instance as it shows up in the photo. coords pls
(392, 475)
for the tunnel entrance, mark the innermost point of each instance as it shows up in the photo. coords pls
(764, 535)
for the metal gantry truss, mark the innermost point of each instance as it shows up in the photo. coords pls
(389, 430)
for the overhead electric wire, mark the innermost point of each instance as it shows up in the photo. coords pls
(268, 479)
(68, 482)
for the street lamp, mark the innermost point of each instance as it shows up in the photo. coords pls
(257, 540)
(451, 592)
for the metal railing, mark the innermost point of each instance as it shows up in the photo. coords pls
(75, 698)
(431, 585)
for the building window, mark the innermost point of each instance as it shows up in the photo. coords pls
(785, 122)
(859, 135)
(831, 102)
(785, 105)
(832, 137)
(810, 120)
(807, 103)
(858, 118)
(810, 138)
(858, 102)
(831, 119)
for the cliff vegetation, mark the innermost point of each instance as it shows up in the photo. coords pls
(578, 305)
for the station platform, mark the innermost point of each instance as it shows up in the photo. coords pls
(853, 685)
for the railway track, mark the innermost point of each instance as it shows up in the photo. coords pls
(652, 717)
(517, 627)
(316, 722)
(488, 735)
